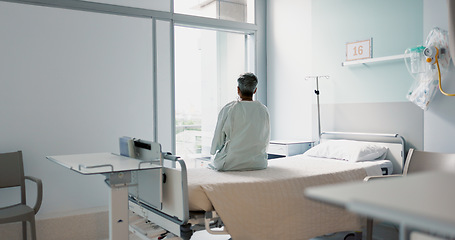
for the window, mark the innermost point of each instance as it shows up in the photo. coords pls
(233, 10)
(161, 5)
(207, 65)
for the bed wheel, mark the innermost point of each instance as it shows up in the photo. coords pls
(353, 236)
(350, 236)
(186, 232)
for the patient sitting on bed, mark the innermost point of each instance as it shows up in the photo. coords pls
(242, 132)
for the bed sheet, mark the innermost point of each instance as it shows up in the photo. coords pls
(270, 204)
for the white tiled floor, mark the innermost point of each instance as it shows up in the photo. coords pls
(381, 232)
(204, 235)
(200, 235)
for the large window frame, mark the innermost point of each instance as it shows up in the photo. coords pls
(219, 25)
(210, 60)
(174, 19)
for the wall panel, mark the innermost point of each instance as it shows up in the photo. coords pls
(71, 82)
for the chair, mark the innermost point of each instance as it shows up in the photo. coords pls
(12, 175)
(418, 161)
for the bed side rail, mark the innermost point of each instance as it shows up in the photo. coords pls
(175, 188)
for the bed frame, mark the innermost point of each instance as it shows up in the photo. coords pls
(173, 215)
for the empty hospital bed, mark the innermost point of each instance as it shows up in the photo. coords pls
(269, 203)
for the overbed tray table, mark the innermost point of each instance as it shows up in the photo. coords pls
(117, 170)
(422, 201)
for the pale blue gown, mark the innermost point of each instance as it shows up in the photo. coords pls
(241, 137)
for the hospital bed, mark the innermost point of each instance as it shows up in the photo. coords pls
(264, 204)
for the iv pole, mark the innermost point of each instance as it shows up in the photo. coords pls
(317, 101)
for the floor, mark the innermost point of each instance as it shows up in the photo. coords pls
(381, 232)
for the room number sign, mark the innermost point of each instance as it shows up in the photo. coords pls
(358, 50)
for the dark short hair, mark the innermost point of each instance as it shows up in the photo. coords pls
(247, 83)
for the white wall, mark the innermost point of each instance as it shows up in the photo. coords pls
(308, 38)
(440, 117)
(71, 82)
(287, 36)
(165, 87)
(336, 23)
(289, 51)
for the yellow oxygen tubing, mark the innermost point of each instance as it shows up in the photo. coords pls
(440, 85)
(432, 54)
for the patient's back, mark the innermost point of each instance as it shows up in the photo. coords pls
(247, 130)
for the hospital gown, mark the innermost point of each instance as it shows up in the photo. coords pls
(241, 137)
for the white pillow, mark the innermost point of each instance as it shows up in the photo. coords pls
(348, 150)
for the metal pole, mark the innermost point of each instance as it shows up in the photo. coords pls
(319, 109)
(317, 102)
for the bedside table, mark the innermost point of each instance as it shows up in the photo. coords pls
(286, 148)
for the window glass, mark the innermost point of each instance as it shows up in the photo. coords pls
(207, 65)
(161, 5)
(233, 10)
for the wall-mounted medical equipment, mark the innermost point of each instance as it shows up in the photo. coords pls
(426, 65)
(437, 53)
(451, 8)
(416, 61)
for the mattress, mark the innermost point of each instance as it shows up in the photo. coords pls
(386, 166)
(199, 177)
(249, 202)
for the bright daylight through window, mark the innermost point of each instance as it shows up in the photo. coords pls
(233, 10)
(207, 65)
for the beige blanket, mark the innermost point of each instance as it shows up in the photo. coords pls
(270, 203)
